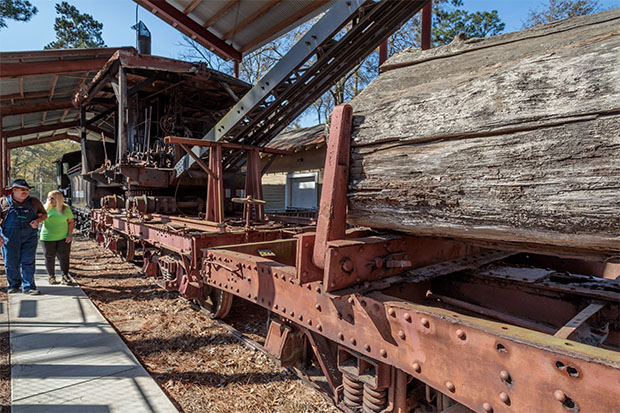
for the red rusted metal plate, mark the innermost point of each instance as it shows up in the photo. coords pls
(500, 366)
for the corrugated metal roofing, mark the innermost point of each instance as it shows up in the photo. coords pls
(300, 139)
(36, 90)
(235, 26)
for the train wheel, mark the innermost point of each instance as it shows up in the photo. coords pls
(128, 252)
(217, 302)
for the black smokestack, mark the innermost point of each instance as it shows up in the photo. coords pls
(143, 38)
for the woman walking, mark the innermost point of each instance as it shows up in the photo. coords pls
(56, 234)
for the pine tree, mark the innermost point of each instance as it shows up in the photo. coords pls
(75, 30)
(20, 10)
(560, 9)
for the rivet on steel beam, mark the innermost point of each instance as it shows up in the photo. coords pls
(341, 336)
(284, 310)
(450, 386)
(425, 323)
(319, 327)
(350, 300)
(401, 334)
(383, 352)
(255, 297)
(339, 315)
(407, 317)
(392, 312)
(504, 375)
(318, 290)
(304, 273)
(275, 306)
(487, 407)
(309, 322)
(300, 317)
(367, 347)
(292, 313)
(318, 307)
(363, 303)
(559, 395)
(461, 334)
(350, 318)
(503, 396)
(353, 341)
(347, 265)
(416, 367)
(333, 283)
(306, 244)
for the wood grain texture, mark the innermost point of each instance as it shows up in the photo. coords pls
(514, 140)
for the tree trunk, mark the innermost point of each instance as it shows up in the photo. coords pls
(510, 140)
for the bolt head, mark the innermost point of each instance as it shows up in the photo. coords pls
(383, 353)
(401, 334)
(367, 347)
(559, 395)
(416, 367)
(504, 375)
(407, 317)
(341, 336)
(353, 341)
(425, 322)
(450, 386)
(487, 407)
(392, 312)
(503, 396)
(461, 334)
(318, 307)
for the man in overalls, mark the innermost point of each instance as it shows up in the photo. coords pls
(20, 215)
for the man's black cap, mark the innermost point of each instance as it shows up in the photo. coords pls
(20, 183)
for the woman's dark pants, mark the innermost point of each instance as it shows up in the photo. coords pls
(57, 249)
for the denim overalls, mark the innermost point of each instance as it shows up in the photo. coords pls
(20, 250)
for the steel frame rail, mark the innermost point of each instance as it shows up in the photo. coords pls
(319, 59)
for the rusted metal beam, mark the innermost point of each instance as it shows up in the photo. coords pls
(38, 129)
(332, 220)
(35, 107)
(170, 14)
(46, 68)
(197, 159)
(506, 365)
(224, 145)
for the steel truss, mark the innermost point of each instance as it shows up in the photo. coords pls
(325, 54)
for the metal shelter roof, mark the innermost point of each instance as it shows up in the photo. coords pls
(234, 28)
(36, 92)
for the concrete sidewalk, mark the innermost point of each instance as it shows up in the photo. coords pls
(65, 357)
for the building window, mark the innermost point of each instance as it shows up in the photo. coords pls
(302, 190)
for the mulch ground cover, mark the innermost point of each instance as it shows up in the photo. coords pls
(197, 362)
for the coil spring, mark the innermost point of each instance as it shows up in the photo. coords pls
(352, 392)
(374, 400)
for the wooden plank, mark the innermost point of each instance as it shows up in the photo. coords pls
(583, 316)
(515, 142)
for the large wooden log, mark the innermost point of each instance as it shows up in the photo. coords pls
(510, 140)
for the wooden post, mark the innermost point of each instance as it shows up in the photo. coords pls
(122, 113)
(85, 166)
(236, 68)
(253, 185)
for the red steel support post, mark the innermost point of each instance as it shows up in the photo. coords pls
(427, 18)
(383, 52)
(253, 185)
(332, 224)
(215, 189)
